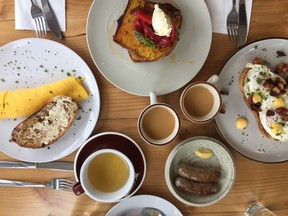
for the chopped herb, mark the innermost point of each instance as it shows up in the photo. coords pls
(256, 47)
(68, 74)
(248, 80)
(51, 92)
(16, 81)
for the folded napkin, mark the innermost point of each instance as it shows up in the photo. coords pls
(23, 19)
(24, 102)
(219, 10)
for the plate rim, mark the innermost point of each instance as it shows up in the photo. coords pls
(152, 197)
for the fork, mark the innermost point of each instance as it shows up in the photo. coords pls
(232, 23)
(39, 20)
(57, 184)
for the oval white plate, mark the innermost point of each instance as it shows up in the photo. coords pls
(33, 62)
(249, 142)
(133, 206)
(163, 76)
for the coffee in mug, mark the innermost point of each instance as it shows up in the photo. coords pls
(200, 102)
(158, 123)
(106, 175)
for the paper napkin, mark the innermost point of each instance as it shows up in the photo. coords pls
(219, 10)
(23, 19)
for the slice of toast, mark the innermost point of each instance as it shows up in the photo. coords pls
(48, 124)
(138, 51)
(256, 107)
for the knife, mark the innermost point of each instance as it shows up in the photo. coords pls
(51, 19)
(55, 165)
(242, 30)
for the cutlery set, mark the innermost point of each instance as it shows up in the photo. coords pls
(43, 17)
(57, 184)
(237, 23)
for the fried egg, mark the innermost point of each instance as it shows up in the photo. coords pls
(254, 85)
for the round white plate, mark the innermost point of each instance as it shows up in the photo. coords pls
(163, 76)
(32, 62)
(133, 206)
(249, 142)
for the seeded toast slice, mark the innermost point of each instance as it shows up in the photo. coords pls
(48, 124)
(242, 80)
(138, 51)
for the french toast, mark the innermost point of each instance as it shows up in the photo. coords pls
(125, 32)
(46, 125)
(265, 93)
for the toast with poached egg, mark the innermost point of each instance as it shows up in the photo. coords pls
(139, 35)
(265, 93)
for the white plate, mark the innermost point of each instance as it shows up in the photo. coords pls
(33, 62)
(249, 142)
(163, 76)
(136, 203)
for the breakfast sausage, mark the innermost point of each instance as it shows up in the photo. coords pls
(198, 174)
(196, 188)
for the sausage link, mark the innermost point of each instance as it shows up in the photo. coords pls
(197, 188)
(198, 174)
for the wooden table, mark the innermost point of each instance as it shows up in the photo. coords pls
(266, 183)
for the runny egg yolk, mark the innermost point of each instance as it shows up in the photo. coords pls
(276, 128)
(256, 98)
(279, 102)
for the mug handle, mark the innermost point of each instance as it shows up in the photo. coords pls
(78, 189)
(213, 79)
(153, 98)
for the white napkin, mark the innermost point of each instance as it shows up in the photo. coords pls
(219, 10)
(23, 19)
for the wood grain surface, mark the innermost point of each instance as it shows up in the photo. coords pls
(255, 181)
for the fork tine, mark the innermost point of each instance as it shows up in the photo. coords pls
(37, 28)
(43, 25)
(229, 31)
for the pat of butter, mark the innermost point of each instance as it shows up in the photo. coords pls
(241, 123)
(161, 22)
(25, 102)
(204, 153)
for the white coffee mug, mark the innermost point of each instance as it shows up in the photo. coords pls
(158, 123)
(106, 176)
(201, 101)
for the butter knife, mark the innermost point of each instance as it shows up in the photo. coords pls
(55, 165)
(242, 30)
(51, 19)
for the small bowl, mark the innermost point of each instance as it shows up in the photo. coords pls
(184, 152)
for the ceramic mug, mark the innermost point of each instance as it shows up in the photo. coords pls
(106, 176)
(158, 123)
(201, 101)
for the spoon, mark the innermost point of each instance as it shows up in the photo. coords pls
(149, 211)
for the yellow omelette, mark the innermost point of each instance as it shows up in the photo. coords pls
(24, 102)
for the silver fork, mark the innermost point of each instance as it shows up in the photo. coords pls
(232, 23)
(57, 184)
(39, 20)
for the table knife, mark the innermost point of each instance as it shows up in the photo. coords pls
(51, 19)
(242, 30)
(55, 165)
